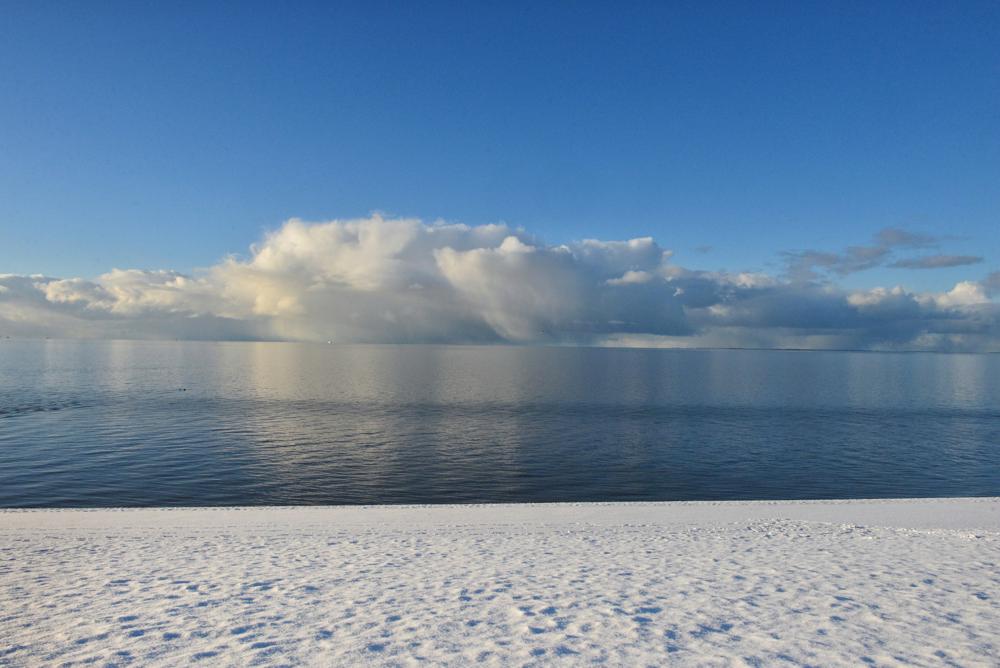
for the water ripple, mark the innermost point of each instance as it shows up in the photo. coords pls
(195, 424)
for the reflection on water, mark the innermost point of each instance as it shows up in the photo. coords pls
(165, 423)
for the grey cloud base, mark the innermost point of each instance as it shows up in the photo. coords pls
(402, 280)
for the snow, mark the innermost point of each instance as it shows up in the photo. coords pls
(886, 582)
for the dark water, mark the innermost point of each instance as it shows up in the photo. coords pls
(145, 423)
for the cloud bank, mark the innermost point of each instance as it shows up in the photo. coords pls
(403, 280)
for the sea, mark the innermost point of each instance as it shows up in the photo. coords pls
(166, 423)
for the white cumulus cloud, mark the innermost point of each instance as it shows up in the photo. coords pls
(383, 279)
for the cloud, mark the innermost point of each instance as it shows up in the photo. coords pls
(631, 278)
(403, 280)
(894, 237)
(991, 284)
(936, 261)
(809, 265)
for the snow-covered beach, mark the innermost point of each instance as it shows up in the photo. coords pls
(886, 582)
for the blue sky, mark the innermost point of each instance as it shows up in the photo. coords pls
(166, 135)
(826, 175)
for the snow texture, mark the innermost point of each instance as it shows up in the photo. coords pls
(899, 582)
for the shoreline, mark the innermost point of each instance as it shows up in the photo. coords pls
(979, 512)
(884, 582)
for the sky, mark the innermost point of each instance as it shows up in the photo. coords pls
(824, 148)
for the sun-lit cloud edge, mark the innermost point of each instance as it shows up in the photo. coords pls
(385, 280)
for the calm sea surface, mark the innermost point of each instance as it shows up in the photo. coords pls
(164, 423)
